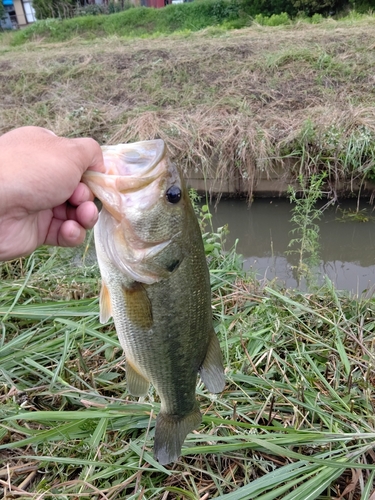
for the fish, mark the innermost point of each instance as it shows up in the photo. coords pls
(156, 285)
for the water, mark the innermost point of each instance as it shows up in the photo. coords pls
(347, 249)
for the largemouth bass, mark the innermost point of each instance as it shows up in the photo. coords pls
(155, 284)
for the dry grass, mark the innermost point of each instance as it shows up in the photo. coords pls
(227, 103)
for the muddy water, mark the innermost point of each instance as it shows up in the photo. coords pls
(347, 249)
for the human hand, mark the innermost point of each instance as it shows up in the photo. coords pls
(42, 201)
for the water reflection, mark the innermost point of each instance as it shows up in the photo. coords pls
(347, 250)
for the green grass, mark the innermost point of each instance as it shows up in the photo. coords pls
(296, 420)
(148, 22)
(142, 21)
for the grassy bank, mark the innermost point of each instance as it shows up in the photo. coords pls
(299, 98)
(141, 21)
(295, 421)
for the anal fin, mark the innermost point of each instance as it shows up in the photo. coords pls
(170, 434)
(137, 384)
(212, 369)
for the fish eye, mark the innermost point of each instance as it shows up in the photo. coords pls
(173, 194)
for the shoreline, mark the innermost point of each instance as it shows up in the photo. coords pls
(274, 184)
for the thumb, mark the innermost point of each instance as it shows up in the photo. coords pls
(89, 154)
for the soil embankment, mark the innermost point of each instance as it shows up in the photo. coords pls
(248, 109)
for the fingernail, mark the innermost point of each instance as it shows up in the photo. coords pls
(75, 233)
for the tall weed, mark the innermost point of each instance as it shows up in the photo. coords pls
(305, 242)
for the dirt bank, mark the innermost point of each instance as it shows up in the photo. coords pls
(234, 106)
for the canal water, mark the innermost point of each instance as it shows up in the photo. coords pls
(263, 230)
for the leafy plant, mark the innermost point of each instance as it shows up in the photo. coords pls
(311, 7)
(104, 8)
(362, 6)
(273, 20)
(2, 11)
(214, 241)
(305, 243)
(355, 216)
(45, 9)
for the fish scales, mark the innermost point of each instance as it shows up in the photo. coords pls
(155, 284)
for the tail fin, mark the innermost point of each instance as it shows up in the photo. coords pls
(170, 433)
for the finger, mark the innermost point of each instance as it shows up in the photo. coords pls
(87, 214)
(64, 212)
(64, 233)
(81, 194)
(91, 155)
(70, 234)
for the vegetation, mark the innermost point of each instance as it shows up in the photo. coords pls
(239, 8)
(63, 9)
(142, 21)
(295, 421)
(305, 215)
(45, 9)
(103, 8)
(191, 16)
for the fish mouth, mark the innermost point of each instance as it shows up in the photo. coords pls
(137, 158)
(134, 173)
(128, 167)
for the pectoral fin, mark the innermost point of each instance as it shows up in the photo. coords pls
(138, 306)
(137, 384)
(105, 304)
(212, 369)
